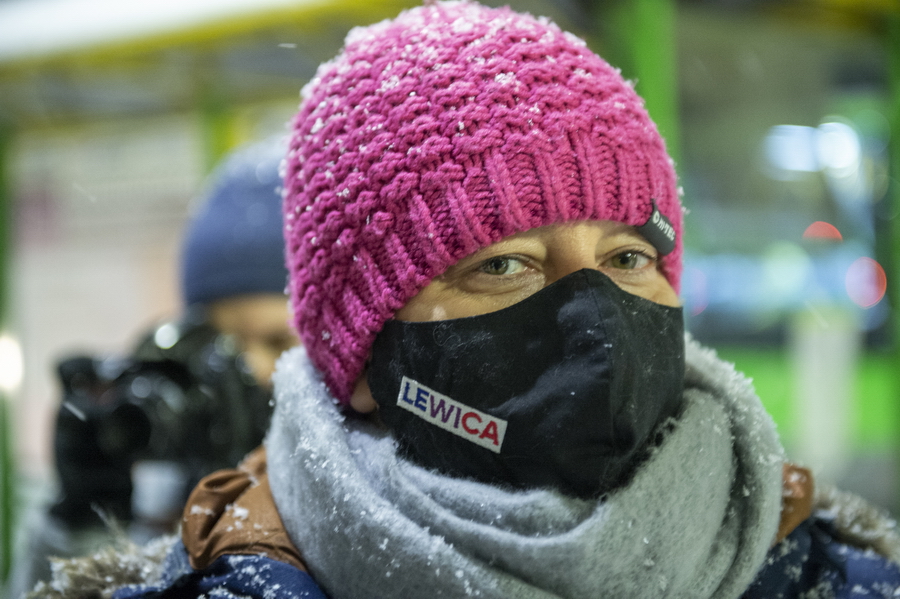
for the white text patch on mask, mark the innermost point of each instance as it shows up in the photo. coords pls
(476, 426)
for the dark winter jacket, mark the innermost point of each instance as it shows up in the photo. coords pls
(234, 546)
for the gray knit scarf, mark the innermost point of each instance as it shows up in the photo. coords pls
(696, 521)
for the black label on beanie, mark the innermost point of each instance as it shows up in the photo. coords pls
(659, 231)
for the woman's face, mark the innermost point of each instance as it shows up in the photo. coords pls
(512, 269)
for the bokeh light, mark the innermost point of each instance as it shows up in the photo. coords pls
(833, 148)
(838, 148)
(822, 230)
(787, 270)
(11, 367)
(866, 282)
(695, 289)
(790, 149)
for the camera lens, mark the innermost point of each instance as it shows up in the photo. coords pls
(125, 431)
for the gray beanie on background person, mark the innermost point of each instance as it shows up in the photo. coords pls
(234, 244)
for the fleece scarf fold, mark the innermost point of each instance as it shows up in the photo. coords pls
(696, 520)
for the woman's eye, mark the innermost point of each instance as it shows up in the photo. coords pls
(630, 260)
(501, 265)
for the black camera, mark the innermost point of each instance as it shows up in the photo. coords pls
(183, 398)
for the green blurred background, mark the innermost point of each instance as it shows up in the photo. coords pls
(779, 114)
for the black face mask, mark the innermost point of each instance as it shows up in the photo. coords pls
(565, 389)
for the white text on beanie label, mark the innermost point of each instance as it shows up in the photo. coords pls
(452, 416)
(659, 231)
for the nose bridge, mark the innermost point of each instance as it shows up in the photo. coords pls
(574, 250)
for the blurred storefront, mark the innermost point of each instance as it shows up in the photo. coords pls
(783, 117)
(786, 113)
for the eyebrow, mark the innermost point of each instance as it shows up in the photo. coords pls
(616, 229)
(497, 249)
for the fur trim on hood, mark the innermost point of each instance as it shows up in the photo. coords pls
(859, 523)
(98, 575)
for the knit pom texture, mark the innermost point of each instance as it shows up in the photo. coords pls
(439, 133)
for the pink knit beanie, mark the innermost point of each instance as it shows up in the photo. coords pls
(439, 133)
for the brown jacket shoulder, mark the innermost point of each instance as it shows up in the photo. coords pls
(232, 512)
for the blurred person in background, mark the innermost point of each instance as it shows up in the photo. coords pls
(495, 396)
(134, 434)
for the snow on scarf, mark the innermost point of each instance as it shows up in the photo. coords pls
(696, 521)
